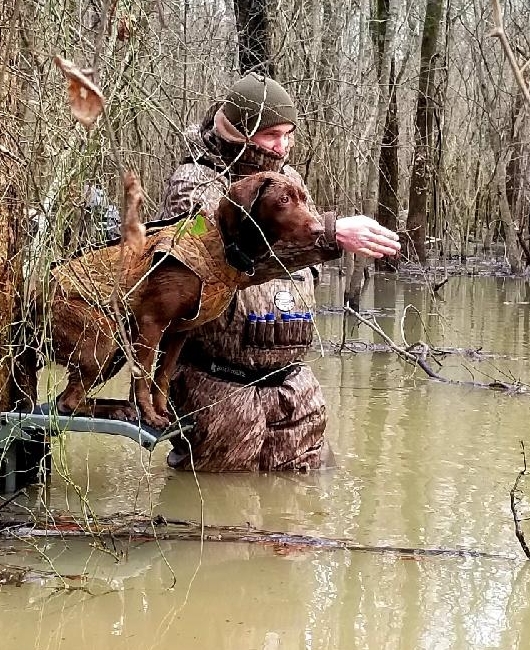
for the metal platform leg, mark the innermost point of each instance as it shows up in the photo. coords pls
(24, 457)
(8, 468)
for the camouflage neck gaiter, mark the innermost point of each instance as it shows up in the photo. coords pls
(248, 157)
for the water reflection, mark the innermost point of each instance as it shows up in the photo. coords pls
(420, 464)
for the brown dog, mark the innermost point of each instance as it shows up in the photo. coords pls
(179, 281)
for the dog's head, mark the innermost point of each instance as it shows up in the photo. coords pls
(261, 210)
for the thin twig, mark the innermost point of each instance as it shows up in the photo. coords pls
(5, 502)
(513, 503)
(113, 300)
(100, 35)
(12, 156)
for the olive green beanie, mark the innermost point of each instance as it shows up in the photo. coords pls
(257, 100)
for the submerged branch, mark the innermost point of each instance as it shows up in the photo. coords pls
(137, 528)
(15, 576)
(416, 355)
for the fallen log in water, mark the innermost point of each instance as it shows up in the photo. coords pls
(136, 528)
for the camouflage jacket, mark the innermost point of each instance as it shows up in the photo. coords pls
(201, 181)
(92, 276)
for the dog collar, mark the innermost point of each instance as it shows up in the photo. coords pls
(238, 259)
(234, 255)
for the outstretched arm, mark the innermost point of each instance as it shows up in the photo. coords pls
(357, 234)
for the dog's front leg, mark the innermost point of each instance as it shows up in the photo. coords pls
(73, 398)
(170, 348)
(149, 337)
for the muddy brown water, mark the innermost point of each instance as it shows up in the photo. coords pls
(419, 464)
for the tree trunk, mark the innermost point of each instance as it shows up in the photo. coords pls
(253, 36)
(502, 148)
(420, 181)
(383, 31)
(505, 214)
(388, 208)
(11, 203)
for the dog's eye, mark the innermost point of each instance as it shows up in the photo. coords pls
(284, 199)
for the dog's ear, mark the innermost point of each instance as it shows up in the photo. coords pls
(248, 190)
(233, 212)
(241, 198)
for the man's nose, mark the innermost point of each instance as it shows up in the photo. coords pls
(280, 146)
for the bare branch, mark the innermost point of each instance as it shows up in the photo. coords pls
(513, 503)
(499, 32)
(416, 355)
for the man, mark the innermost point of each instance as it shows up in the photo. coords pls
(277, 422)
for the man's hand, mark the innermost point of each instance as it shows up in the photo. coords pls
(360, 234)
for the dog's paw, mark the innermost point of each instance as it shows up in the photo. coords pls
(124, 412)
(166, 414)
(156, 421)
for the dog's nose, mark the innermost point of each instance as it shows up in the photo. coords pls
(316, 228)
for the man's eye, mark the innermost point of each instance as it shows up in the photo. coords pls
(284, 199)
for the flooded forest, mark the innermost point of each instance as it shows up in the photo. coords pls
(416, 536)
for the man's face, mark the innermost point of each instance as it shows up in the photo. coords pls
(277, 139)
